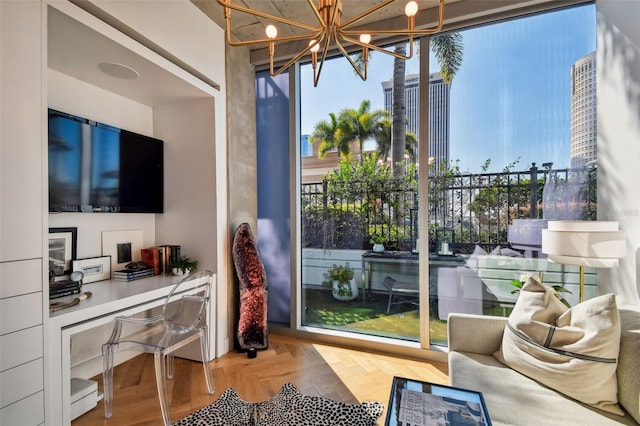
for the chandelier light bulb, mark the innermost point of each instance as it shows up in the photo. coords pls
(271, 31)
(411, 8)
(314, 47)
(365, 38)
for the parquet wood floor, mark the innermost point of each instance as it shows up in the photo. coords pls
(316, 369)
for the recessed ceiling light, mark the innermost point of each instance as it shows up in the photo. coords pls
(118, 71)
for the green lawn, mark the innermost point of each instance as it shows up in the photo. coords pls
(371, 317)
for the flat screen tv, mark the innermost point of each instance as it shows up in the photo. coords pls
(94, 167)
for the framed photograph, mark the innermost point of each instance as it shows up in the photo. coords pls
(421, 403)
(123, 247)
(94, 268)
(62, 249)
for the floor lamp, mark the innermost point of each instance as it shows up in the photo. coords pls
(597, 244)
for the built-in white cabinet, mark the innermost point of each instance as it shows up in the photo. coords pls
(22, 155)
(48, 54)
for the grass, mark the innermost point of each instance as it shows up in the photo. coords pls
(371, 317)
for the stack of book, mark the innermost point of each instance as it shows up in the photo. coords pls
(160, 257)
(63, 288)
(171, 255)
(130, 275)
(154, 257)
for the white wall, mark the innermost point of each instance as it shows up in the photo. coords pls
(618, 81)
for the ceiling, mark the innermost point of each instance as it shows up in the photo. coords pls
(457, 14)
(76, 50)
(81, 52)
(250, 27)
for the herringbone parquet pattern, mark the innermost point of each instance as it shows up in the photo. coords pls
(316, 369)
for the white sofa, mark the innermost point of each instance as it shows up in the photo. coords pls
(514, 399)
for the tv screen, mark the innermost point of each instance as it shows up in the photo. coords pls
(94, 167)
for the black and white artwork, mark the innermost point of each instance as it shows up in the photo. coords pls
(62, 249)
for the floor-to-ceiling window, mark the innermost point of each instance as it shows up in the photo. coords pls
(509, 144)
(521, 151)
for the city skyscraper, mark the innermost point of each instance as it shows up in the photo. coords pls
(439, 108)
(583, 111)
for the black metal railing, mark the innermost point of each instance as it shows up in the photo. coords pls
(477, 207)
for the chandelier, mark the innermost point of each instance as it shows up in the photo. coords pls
(330, 31)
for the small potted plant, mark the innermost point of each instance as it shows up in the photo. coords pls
(183, 265)
(339, 279)
(378, 243)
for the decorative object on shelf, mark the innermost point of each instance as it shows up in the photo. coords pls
(93, 268)
(339, 279)
(331, 33)
(252, 324)
(62, 249)
(183, 265)
(134, 271)
(123, 247)
(56, 306)
(63, 288)
(597, 244)
(378, 243)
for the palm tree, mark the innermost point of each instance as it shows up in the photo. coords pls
(448, 50)
(349, 126)
(358, 125)
(382, 134)
(324, 133)
(399, 114)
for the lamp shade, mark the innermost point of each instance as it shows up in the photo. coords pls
(597, 244)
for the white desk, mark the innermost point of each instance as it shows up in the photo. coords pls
(108, 300)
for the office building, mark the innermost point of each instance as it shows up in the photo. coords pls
(438, 112)
(583, 111)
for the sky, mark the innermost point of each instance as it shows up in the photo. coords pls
(510, 100)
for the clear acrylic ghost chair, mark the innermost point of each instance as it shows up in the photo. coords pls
(182, 321)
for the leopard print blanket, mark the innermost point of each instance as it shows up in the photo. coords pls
(288, 408)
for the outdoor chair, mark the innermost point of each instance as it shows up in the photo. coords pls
(182, 321)
(402, 291)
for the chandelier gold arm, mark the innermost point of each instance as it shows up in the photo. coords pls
(382, 49)
(408, 32)
(297, 58)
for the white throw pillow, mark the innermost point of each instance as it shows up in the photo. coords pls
(572, 350)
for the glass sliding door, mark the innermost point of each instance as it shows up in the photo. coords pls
(359, 201)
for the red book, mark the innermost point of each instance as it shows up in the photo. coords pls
(152, 256)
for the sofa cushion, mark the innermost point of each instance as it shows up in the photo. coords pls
(572, 350)
(516, 400)
(629, 361)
